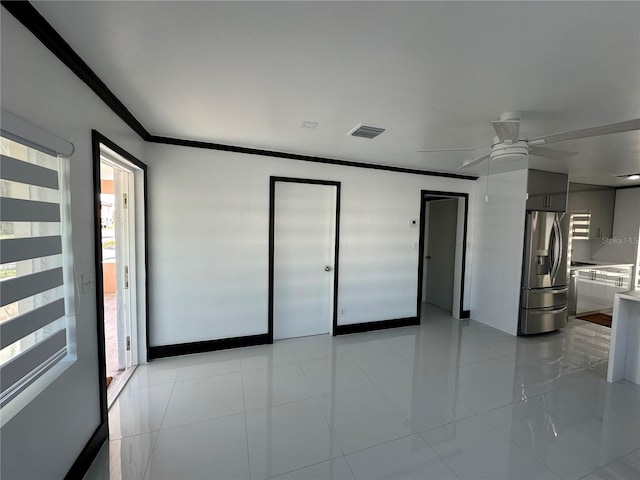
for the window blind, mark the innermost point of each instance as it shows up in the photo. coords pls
(36, 278)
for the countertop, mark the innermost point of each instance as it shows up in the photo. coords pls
(598, 264)
(633, 295)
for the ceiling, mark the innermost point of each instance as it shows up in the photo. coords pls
(433, 73)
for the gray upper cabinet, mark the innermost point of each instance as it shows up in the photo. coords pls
(547, 191)
(601, 205)
(599, 202)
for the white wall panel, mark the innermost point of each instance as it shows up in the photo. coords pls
(498, 249)
(36, 86)
(209, 220)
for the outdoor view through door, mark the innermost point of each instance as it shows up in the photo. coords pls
(117, 222)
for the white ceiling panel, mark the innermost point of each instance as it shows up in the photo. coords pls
(433, 73)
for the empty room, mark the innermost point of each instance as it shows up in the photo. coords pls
(319, 240)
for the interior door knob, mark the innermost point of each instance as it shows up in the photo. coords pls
(327, 268)
(428, 257)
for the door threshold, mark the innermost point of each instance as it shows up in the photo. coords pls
(117, 385)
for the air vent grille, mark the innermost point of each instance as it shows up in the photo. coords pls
(366, 131)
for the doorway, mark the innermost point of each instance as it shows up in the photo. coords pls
(121, 287)
(442, 251)
(304, 223)
(116, 186)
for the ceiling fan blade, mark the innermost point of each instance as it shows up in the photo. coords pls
(507, 130)
(451, 150)
(551, 153)
(473, 162)
(619, 127)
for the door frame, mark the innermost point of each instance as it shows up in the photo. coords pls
(98, 139)
(424, 196)
(272, 205)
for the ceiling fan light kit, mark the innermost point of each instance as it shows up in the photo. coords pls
(508, 146)
(509, 152)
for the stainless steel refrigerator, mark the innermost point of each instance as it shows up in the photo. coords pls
(544, 294)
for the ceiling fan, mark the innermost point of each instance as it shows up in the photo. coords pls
(508, 145)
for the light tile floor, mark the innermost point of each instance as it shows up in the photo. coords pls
(448, 399)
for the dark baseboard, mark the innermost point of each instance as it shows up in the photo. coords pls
(465, 314)
(208, 346)
(81, 466)
(380, 325)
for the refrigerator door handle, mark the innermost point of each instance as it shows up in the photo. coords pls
(556, 249)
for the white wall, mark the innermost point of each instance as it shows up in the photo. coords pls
(498, 246)
(209, 220)
(622, 246)
(47, 436)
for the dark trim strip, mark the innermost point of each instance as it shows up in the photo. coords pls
(29, 16)
(336, 253)
(379, 325)
(163, 351)
(81, 466)
(304, 158)
(465, 314)
(427, 195)
(625, 187)
(97, 247)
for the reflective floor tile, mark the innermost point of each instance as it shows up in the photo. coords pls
(153, 374)
(213, 449)
(288, 437)
(336, 469)
(363, 417)
(570, 447)
(274, 386)
(382, 366)
(209, 369)
(483, 394)
(424, 401)
(263, 356)
(314, 347)
(128, 457)
(138, 410)
(625, 468)
(204, 399)
(473, 449)
(601, 395)
(333, 374)
(405, 458)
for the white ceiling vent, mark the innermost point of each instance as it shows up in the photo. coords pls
(366, 131)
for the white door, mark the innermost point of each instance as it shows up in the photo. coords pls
(305, 218)
(122, 220)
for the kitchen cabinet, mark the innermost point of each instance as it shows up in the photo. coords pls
(601, 206)
(597, 286)
(547, 191)
(599, 202)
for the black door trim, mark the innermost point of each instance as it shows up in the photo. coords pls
(424, 196)
(272, 198)
(98, 139)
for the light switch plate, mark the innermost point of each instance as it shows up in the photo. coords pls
(87, 281)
